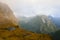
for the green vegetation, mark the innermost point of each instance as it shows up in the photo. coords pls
(38, 24)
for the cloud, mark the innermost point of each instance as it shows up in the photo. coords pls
(34, 7)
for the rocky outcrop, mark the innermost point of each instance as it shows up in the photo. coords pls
(47, 26)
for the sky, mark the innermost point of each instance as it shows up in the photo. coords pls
(34, 7)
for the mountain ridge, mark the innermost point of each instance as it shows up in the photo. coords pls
(40, 24)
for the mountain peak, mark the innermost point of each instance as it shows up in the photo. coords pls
(39, 24)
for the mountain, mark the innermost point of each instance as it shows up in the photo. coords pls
(55, 20)
(38, 24)
(8, 21)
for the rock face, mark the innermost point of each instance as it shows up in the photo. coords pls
(39, 24)
(7, 18)
(47, 26)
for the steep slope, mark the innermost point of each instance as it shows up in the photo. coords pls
(39, 24)
(47, 25)
(6, 16)
(55, 20)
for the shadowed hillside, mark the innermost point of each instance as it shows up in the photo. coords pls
(38, 24)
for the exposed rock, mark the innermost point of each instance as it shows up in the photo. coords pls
(38, 24)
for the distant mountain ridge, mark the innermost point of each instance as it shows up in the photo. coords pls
(38, 24)
(55, 20)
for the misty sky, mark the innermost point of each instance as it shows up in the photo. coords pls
(34, 7)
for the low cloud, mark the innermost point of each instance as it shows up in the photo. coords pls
(34, 7)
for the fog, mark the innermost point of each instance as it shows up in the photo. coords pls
(34, 7)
